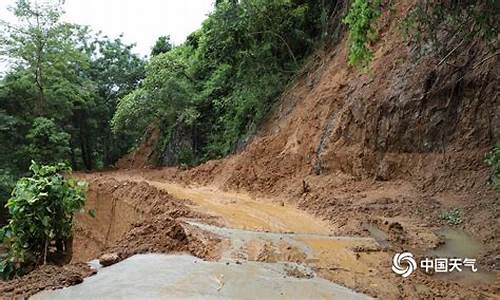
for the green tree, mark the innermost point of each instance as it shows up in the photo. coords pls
(26, 42)
(76, 83)
(47, 143)
(116, 72)
(162, 45)
(49, 67)
(210, 93)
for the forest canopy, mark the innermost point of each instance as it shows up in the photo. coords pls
(209, 94)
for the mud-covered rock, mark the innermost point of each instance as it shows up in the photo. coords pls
(109, 259)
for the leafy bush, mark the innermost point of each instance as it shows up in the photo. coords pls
(7, 183)
(493, 160)
(452, 217)
(41, 210)
(360, 19)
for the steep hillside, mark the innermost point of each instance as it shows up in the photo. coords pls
(401, 146)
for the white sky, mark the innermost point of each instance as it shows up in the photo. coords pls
(141, 21)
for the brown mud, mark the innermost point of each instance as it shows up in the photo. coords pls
(363, 265)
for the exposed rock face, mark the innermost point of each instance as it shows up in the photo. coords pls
(145, 155)
(180, 147)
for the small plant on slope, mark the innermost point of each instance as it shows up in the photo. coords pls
(41, 210)
(452, 217)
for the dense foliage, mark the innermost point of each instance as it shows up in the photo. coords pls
(162, 45)
(60, 93)
(41, 210)
(209, 94)
(360, 20)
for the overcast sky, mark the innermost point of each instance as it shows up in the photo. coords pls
(141, 21)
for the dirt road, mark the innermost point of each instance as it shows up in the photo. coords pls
(269, 230)
(238, 236)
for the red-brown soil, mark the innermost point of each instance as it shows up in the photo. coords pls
(134, 217)
(44, 277)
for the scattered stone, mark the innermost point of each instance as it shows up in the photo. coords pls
(109, 259)
(305, 187)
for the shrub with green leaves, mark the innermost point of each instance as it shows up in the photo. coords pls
(41, 210)
(493, 160)
(360, 20)
(7, 183)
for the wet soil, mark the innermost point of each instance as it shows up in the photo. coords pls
(365, 266)
(136, 215)
(383, 153)
(43, 278)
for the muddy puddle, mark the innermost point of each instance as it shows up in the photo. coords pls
(156, 276)
(317, 251)
(457, 243)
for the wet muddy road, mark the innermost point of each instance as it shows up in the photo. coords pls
(154, 276)
(271, 250)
